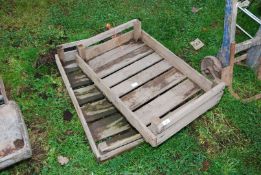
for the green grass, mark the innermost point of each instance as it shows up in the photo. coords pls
(225, 140)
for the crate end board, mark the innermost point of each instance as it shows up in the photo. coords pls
(85, 97)
(147, 83)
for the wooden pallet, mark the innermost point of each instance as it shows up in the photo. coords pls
(155, 90)
(107, 130)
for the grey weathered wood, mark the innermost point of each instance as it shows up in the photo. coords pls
(153, 88)
(102, 36)
(81, 51)
(177, 62)
(184, 110)
(60, 52)
(188, 118)
(108, 127)
(132, 69)
(137, 30)
(87, 94)
(105, 147)
(96, 50)
(131, 117)
(248, 44)
(71, 68)
(96, 110)
(123, 61)
(140, 78)
(78, 79)
(167, 101)
(112, 55)
(77, 107)
(69, 56)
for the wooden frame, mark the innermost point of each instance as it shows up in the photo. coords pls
(102, 150)
(146, 67)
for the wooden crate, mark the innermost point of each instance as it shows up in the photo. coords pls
(154, 89)
(107, 130)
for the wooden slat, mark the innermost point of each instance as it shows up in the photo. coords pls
(99, 49)
(192, 105)
(140, 78)
(113, 54)
(123, 61)
(97, 110)
(153, 88)
(119, 140)
(69, 56)
(71, 67)
(188, 118)
(88, 94)
(132, 118)
(108, 126)
(77, 107)
(78, 79)
(167, 101)
(102, 36)
(247, 44)
(177, 62)
(132, 69)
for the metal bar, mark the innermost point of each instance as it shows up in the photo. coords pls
(245, 32)
(251, 15)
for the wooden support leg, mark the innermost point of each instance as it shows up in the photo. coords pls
(81, 51)
(137, 30)
(60, 52)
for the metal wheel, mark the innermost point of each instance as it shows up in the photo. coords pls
(211, 67)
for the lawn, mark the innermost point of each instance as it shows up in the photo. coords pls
(225, 140)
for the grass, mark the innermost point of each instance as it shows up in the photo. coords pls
(225, 140)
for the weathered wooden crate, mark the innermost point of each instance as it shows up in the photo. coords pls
(107, 130)
(154, 89)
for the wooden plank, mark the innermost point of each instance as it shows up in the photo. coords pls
(153, 88)
(108, 126)
(97, 110)
(123, 61)
(177, 62)
(131, 117)
(167, 101)
(184, 110)
(113, 54)
(119, 140)
(99, 49)
(140, 78)
(247, 44)
(132, 69)
(88, 94)
(78, 79)
(77, 107)
(71, 67)
(95, 115)
(188, 118)
(69, 56)
(101, 36)
(120, 149)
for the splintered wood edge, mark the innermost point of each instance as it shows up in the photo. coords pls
(177, 62)
(77, 108)
(130, 116)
